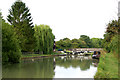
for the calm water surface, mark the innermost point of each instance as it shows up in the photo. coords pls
(52, 67)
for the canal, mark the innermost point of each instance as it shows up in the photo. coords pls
(52, 67)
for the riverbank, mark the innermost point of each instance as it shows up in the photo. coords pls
(31, 56)
(107, 67)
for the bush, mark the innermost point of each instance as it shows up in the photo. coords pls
(11, 51)
(113, 46)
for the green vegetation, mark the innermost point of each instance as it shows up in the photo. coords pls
(40, 69)
(44, 39)
(0, 34)
(20, 17)
(37, 55)
(83, 42)
(87, 40)
(107, 67)
(67, 62)
(11, 50)
(96, 42)
(21, 36)
(111, 37)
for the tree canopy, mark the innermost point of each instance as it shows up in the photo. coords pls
(44, 39)
(111, 37)
(83, 42)
(20, 17)
(11, 51)
(86, 39)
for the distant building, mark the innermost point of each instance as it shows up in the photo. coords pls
(119, 9)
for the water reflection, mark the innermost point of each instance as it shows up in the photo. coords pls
(74, 61)
(52, 67)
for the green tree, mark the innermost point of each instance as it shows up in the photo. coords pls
(20, 17)
(0, 14)
(86, 39)
(75, 43)
(113, 27)
(66, 43)
(96, 42)
(111, 38)
(44, 39)
(11, 51)
(82, 44)
(0, 34)
(59, 44)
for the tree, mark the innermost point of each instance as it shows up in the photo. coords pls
(75, 43)
(113, 27)
(59, 44)
(66, 43)
(44, 39)
(21, 19)
(111, 38)
(82, 44)
(96, 42)
(0, 34)
(86, 39)
(0, 15)
(11, 51)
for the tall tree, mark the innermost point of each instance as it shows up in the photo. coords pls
(20, 17)
(44, 39)
(0, 34)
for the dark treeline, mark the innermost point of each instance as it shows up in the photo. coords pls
(20, 35)
(83, 42)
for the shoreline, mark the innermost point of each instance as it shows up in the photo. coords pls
(34, 57)
(107, 67)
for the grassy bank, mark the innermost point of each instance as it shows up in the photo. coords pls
(107, 67)
(37, 55)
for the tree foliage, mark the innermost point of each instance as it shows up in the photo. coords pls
(44, 39)
(20, 17)
(83, 42)
(111, 37)
(96, 42)
(86, 39)
(11, 51)
(64, 43)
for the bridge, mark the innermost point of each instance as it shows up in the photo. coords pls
(86, 49)
(83, 50)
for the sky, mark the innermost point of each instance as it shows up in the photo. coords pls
(70, 18)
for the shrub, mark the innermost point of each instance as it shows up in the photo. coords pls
(11, 51)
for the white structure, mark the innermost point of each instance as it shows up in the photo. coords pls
(119, 9)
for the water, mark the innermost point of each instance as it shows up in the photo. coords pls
(52, 67)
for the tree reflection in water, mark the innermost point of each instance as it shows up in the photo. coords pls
(45, 67)
(75, 61)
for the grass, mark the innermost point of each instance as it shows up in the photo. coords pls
(36, 55)
(107, 67)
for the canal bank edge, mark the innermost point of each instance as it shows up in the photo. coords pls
(41, 56)
(107, 67)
